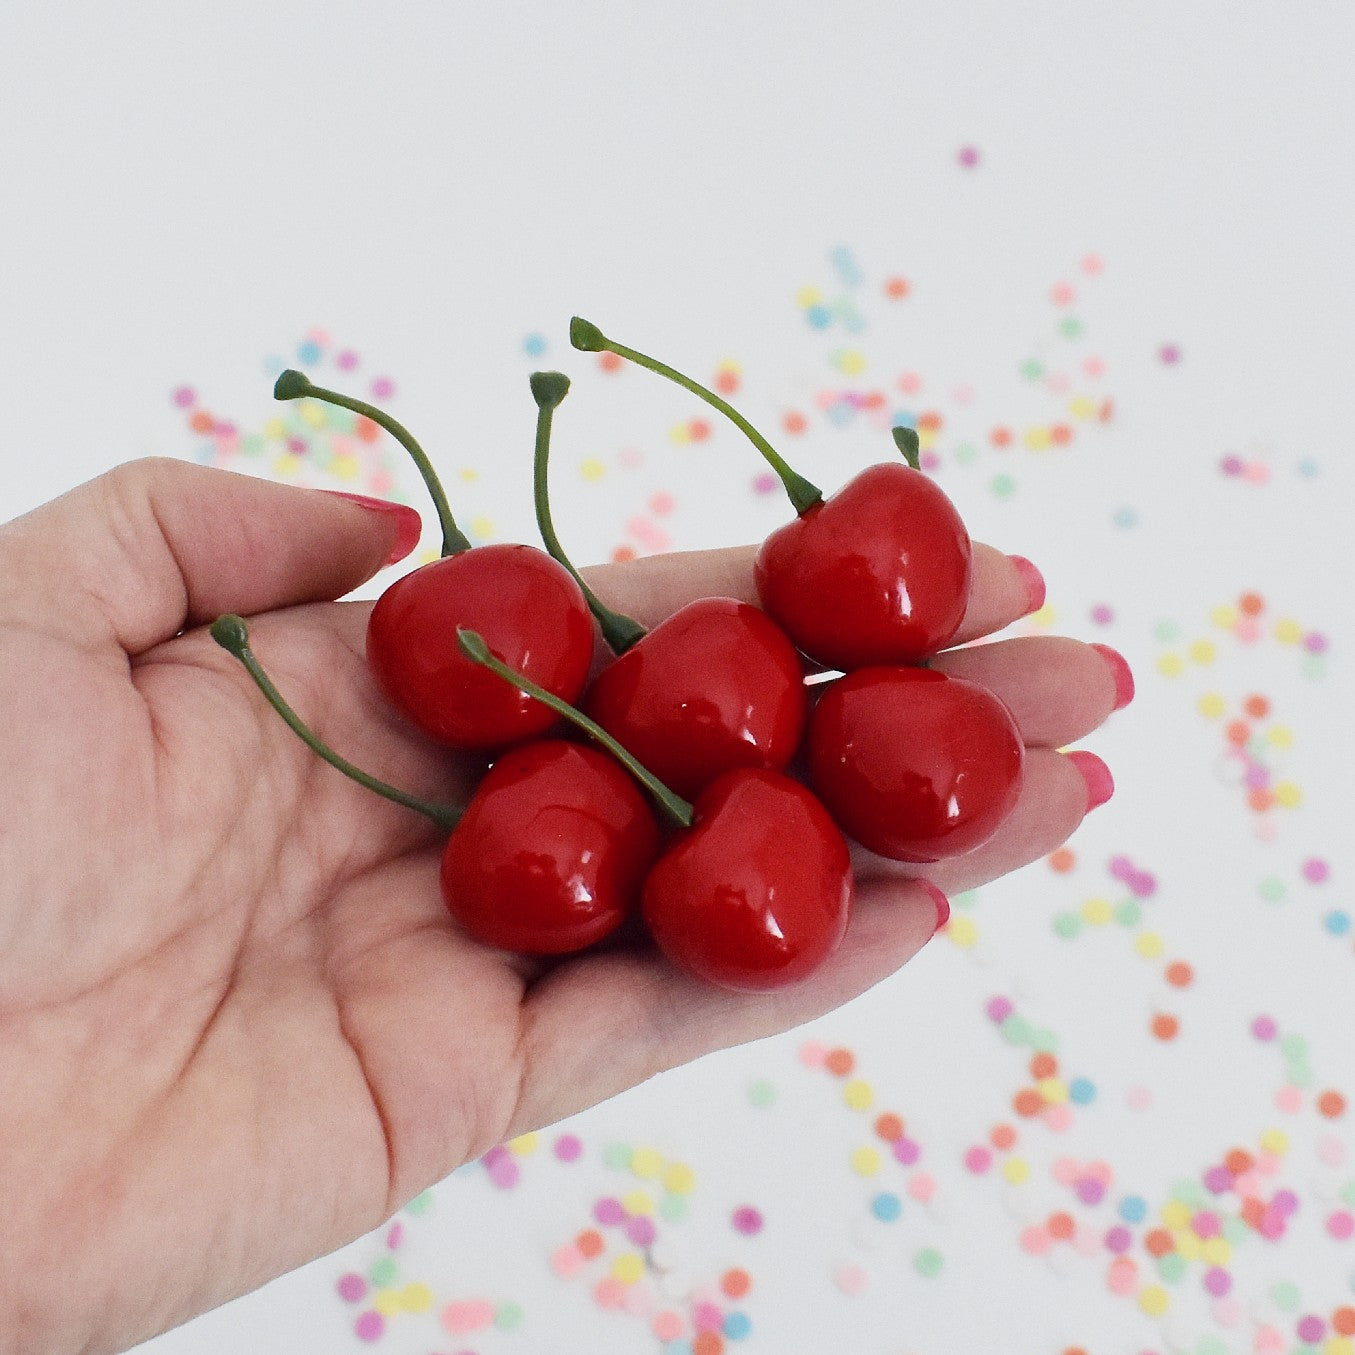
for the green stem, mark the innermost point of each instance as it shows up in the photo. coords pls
(548, 389)
(802, 493)
(231, 634)
(474, 647)
(292, 385)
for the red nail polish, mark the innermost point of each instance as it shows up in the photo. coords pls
(1122, 673)
(1034, 581)
(942, 904)
(409, 524)
(1100, 783)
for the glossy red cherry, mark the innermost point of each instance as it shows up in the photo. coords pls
(877, 573)
(714, 687)
(912, 763)
(757, 893)
(551, 852)
(532, 614)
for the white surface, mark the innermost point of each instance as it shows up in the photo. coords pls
(188, 191)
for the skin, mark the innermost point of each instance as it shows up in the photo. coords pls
(237, 1026)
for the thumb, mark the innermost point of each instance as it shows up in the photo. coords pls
(133, 557)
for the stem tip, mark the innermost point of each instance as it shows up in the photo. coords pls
(549, 388)
(586, 336)
(292, 385)
(230, 633)
(472, 644)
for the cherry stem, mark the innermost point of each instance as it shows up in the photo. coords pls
(473, 646)
(231, 634)
(293, 385)
(803, 494)
(905, 439)
(548, 389)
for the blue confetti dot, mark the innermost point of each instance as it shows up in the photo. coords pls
(736, 1326)
(886, 1206)
(845, 263)
(1082, 1091)
(840, 413)
(1337, 923)
(534, 345)
(906, 417)
(1133, 1209)
(308, 353)
(1126, 517)
(819, 316)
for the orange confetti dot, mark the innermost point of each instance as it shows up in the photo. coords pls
(367, 430)
(726, 381)
(1062, 860)
(1332, 1104)
(896, 288)
(929, 422)
(1251, 604)
(623, 553)
(1253, 1211)
(1260, 798)
(839, 1062)
(1158, 1242)
(590, 1243)
(1043, 1065)
(1239, 1161)
(699, 429)
(794, 422)
(1027, 1102)
(874, 400)
(708, 1343)
(889, 1127)
(1166, 1026)
(1074, 1350)
(1258, 707)
(1001, 437)
(1343, 1321)
(1060, 1225)
(1237, 732)
(1061, 434)
(736, 1282)
(201, 421)
(1002, 1137)
(1107, 411)
(1179, 974)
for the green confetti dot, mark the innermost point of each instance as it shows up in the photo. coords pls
(928, 1262)
(1314, 666)
(420, 1204)
(1070, 327)
(1271, 889)
(1235, 1231)
(508, 1316)
(252, 445)
(1299, 1074)
(1191, 1193)
(1004, 486)
(1211, 1345)
(762, 1094)
(673, 1208)
(383, 1272)
(1129, 913)
(1294, 1046)
(1166, 632)
(1067, 925)
(966, 454)
(1285, 1295)
(1015, 1029)
(1172, 1267)
(1348, 1193)
(1044, 1041)
(1032, 369)
(617, 1156)
(968, 899)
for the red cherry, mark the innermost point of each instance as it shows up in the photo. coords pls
(757, 893)
(913, 764)
(878, 573)
(551, 852)
(532, 614)
(714, 687)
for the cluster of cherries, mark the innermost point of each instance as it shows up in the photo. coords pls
(698, 719)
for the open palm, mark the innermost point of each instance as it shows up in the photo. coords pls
(237, 1026)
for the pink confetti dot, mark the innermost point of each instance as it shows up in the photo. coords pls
(1207, 1224)
(1122, 1276)
(504, 1172)
(1142, 883)
(1065, 1171)
(568, 1147)
(851, 1280)
(1341, 1224)
(1331, 1150)
(662, 503)
(910, 383)
(1092, 264)
(764, 483)
(630, 457)
(463, 1315)
(609, 1211)
(566, 1260)
(1268, 1341)
(978, 1160)
(383, 388)
(1102, 615)
(1058, 1117)
(1036, 1240)
(999, 1009)
(1289, 1100)
(928, 461)
(396, 1236)
(707, 1316)
(184, 396)
(352, 1288)
(1217, 1281)
(1264, 1028)
(1316, 870)
(1063, 294)
(812, 1054)
(1227, 1312)
(1090, 1191)
(1257, 473)
(1170, 354)
(921, 1186)
(640, 1230)
(1138, 1098)
(668, 1325)
(1248, 630)
(369, 1327)
(346, 361)
(747, 1220)
(968, 156)
(609, 1292)
(1094, 367)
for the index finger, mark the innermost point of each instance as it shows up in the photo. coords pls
(1004, 588)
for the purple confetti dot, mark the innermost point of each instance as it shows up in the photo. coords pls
(370, 1326)
(496, 1154)
(1272, 1226)
(928, 461)
(184, 396)
(640, 1230)
(1316, 870)
(1285, 1202)
(383, 388)
(1102, 615)
(707, 1316)
(1257, 777)
(1090, 1191)
(1170, 353)
(225, 430)
(396, 1236)
(1218, 1179)
(568, 1147)
(1264, 1028)
(764, 483)
(968, 156)
(1119, 1239)
(1311, 1328)
(1231, 464)
(907, 1151)
(505, 1173)
(297, 445)
(999, 1009)
(609, 1211)
(1121, 868)
(1315, 643)
(352, 1288)
(1217, 1281)
(747, 1220)
(346, 360)
(1142, 883)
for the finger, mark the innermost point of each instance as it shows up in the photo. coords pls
(1004, 587)
(156, 545)
(606, 1023)
(1058, 689)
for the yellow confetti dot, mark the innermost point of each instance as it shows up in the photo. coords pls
(1338, 1345)
(1016, 1171)
(468, 475)
(963, 931)
(287, 465)
(926, 439)
(866, 1161)
(1211, 705)
(1044, 618)
(275, 429)
(388, 1302)
(680, 433)
(1218, 1251)
(646, 1163)
(1053, 1090)
(858, 1094)
(1082, 407)
(592, 469)
(850, 362)
(1097, 912)
(1287, 795)
(524, 1144)
(1202, 651)
(1171, 665)
(1154, 1300)
(637, 1202)
(1288, 631)
(1280, 736)
(313, 413)
(679, 1179)
(427, 555)
(1224, 616)
(1190, 1246)
(1275, 1141)
(1038, 439)
(808, 296)
(345, 467)
(482, 527)
(629, 1267)
(1176, 1215)
(1149, 945)
(416, 1297)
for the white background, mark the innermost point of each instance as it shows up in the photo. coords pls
(188, 191)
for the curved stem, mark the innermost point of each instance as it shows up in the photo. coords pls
(231, 634)
(802, 493)
(293, 384)
(620, 631)
(474, 647)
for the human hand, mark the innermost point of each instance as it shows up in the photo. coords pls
(237, 1026)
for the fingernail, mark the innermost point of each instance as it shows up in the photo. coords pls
(409, 524)
(1100, 783)
(1034, 581)
(1122, 673)
(942, 904)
